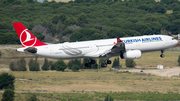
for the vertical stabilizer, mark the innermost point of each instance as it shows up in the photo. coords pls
(118, 39)
(26, 38)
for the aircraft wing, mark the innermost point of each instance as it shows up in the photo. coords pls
(9, 47)
(117, 48)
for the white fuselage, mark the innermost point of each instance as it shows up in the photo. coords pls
(93, 49)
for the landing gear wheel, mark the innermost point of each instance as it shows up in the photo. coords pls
(91, 61)
(103, 65)
(87, 65)
(162, 55)
(108, 61)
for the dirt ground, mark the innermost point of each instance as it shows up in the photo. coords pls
(168, 72)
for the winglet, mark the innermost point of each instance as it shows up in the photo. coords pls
(118, 39)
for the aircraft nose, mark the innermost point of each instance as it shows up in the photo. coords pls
(176, 42)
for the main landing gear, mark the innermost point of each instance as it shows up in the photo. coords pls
(162, 55)
(105, 64)
(91, 61)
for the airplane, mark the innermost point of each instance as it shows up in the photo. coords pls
(126, 48)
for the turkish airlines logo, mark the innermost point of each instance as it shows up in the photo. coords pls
(26, 38)
(119, 40)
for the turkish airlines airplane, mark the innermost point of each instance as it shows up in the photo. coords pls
(126, 48)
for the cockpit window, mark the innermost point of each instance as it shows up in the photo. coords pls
(172, 38)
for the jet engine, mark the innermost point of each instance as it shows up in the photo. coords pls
(31, 49)
(131, 54)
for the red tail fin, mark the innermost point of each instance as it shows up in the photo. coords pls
(27, 39)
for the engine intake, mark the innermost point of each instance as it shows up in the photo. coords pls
(132, 54)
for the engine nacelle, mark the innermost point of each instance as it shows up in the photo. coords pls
(132, 54)
(31, 50)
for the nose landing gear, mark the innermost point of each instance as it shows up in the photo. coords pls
(162, 55)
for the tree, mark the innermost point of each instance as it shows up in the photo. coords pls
(45, 65)
(175, 27)
(8, 95)
(52, 65)
(60, 65)
(158, 8)
(55, 19)
(21, 64)
(116, 63)
(82, 18)
(169, 1)
(70, 21)
(7, 81)
(33, 65)
(74, 62)
(78, 1)
(130, 63)
(29, 1)
(179, 60)
(10, 1)
(39, 35)
(115, 32)
(108, 98)
(62, 17)
(32, 97)
(75, 68)
(11, 66)
(98, 36)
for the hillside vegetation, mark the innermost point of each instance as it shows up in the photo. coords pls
(88, 19)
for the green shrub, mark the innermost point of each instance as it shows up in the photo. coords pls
(11, 66)
(60, 65)
(130, 63)
(116, 63)
(108, 98)
(45, 65)
(33, 65)
(8, 95)
(52, 65)
(74, 62)
(0, 54)
(21, 64)
(75, 68)
(179, 60)
(7, 81)
(32, 97)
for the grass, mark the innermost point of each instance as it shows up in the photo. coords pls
(53, 81)
(92, 85)
(98, 96)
